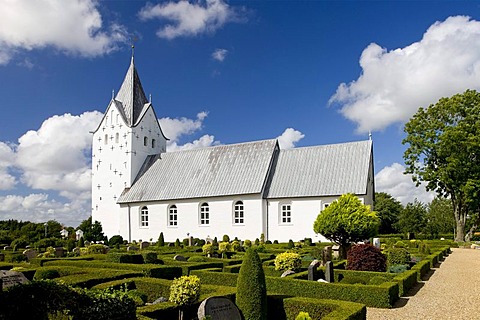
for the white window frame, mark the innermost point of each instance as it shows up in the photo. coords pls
(238, 213)
(204, 214)
(285, 214)
(144, 219)
(172, 217)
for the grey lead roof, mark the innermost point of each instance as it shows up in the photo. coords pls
(131, 96)
(325, 170)
(207, 172)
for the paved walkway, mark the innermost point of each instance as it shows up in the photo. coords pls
(451, 292)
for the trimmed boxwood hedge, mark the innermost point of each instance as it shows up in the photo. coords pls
(96, 276)
(133, 258)
(148, 270)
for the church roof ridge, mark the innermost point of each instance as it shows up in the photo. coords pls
(226, 145)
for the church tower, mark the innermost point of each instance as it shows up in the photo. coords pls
(127, 134)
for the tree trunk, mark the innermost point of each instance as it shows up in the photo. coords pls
(342, 251)
(460, 237)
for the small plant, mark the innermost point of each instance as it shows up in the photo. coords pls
(161, 240)
(184, 291)
(96, 248)
(262, 238)
(290, 244)
(257, 242)
(247, 243)
(224, 247)
(275, 241)
(308, 241)
(235, 246)
(423, 248)
(365, 257)
(303, 316)
(226, 238)
(288, 261)
(208, 249)
(398, 268)
(398, 256)
(177, 243)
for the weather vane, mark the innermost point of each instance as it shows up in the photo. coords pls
(133, 39)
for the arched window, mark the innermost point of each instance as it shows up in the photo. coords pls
(172, 216)
(153, 143)
(144, 217)
(285, 213)
(106, 139)
(117, 137)
(204, 214)
(145, 141)
(117, 117)
(238, 213)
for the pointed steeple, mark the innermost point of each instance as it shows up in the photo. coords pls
(131, 95)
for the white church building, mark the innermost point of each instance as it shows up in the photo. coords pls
(242, 190)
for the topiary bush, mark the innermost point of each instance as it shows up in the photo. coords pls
(251, 297)
(150, 257)
(184, 291)
(398, 256)
(96, 249)
(288, 261)
(291, 245)
(303, 316)
(161, 240)
(208, 249)
(225, 238)
(116, 239)
(365, 257)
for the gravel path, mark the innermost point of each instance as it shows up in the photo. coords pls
(451, 292)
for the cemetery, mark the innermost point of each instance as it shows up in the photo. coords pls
(199, 280)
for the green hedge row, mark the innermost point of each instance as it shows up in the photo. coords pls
(135, 258)
(96, 276)
(41, 261)
(148, 270)
(381, 296)
(187, 267)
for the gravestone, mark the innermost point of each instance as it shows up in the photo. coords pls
(7, 248)
(218, 308)
(329, 272)
(326, 254)
(179, 257)
(132, 248)
(171, 244)
(11, 278)
(209, 240)
(144, 245)
(312, 269)
(76, 250)
(30, 254)
(322, 280)
(190, 241)
(87, 243)
(59, 252)
(287, 273)
(376, 242)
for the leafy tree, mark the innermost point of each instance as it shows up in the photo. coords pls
(91, 231)
(161, 240)
(443, 151)
(184, 291)
(412, 218)
(439, 217)
(388, 210)
(116, 239)
(251, 297)
(346, 221)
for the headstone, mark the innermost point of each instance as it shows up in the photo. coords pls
(144, 245)
(30, 254)
(312, 269)
(132, 248)
(287, 273)
(329, 272)
(76, 250)
(159, 300)
(106, 249)
(376, 242)
(326, 254)
(171, 244)
(11, 278)
(59, 252)
(209, 240)
(7, 248)
(87, 243)
(335, 250)
(179, 257)
(322, 280)
(190, 241)
(218, 308)
(28, 247)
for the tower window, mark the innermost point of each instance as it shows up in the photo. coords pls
(106, 139)
(117, 137)
(153, 143)
(204, 214)
(238, 213)
(145, 141)
(144, 217)
(285, 213)
(172, 216)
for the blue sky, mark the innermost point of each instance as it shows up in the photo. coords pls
(308, 72)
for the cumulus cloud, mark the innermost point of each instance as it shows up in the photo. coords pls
(73, 27)
(57, 156)
(395, 83)
(219, 54)
(7, 160)
(202, 142)
(392, 180)
(289, 138)
(190, 19)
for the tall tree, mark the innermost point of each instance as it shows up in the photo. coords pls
(91, 231)
(388, 210)
(412, 218)
(444, 151)
(345, 221)
(439, 218)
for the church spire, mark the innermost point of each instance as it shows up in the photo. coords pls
(131, 94)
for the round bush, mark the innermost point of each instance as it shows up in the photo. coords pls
(116, 239)
(251, 297)
(303, 316)
(365, 257)
(288, 261)
(398, 256)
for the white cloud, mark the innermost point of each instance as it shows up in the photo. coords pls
(73, 27)
(202, 142)
(190, 19)
(7, 160)
(392, 180)
(289, 138)
(394, 84)
(57, 156)
(219, 54)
